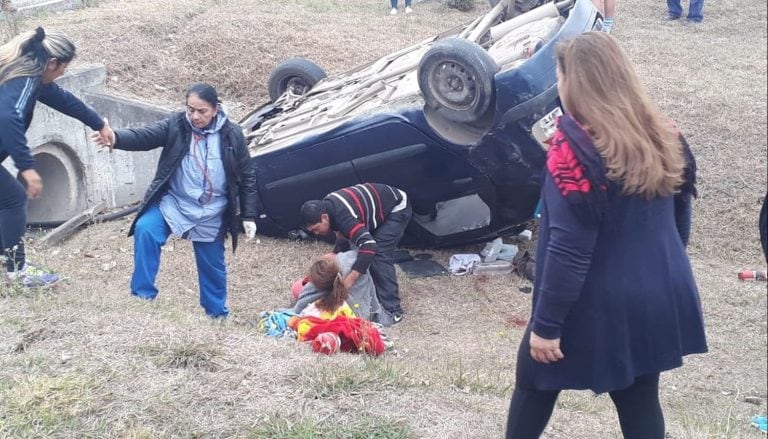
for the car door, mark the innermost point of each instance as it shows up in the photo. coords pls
(303, 172)
(396, 153)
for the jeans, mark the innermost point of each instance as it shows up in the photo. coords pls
(694, 9)
(394, 3)
(13, 220)
(150, 235)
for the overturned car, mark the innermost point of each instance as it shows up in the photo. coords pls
(457, 121)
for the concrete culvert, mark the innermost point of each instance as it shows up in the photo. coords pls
(64, 186)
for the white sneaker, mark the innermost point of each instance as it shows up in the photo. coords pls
(408, 10)
(393, 11)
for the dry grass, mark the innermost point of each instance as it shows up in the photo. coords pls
(154, 49)
(86, 360)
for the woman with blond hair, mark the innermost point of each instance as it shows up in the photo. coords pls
(615, 302)
(29, 64)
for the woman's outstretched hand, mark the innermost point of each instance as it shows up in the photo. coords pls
(105, 137)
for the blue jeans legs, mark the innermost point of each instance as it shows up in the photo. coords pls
(150, 235)
(212, 274)
(694, 9)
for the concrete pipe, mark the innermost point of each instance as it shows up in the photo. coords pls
(63, 184)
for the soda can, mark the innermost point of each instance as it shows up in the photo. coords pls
(753, 275)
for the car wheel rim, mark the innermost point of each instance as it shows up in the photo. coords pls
(454, 86)
(296, 86)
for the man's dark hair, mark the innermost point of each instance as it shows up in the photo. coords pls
(311, 212)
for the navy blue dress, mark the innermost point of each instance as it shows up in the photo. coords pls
(619, 293)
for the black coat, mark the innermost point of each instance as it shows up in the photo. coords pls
(174, 135)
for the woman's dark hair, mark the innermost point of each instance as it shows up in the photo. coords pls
(311, 212)
(205, 92)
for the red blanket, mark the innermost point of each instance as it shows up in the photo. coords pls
(357, 335)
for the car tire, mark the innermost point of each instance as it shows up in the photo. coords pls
(297, 73)
(456, 79)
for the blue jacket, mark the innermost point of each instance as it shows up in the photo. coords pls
(18, 97)
(619, 293)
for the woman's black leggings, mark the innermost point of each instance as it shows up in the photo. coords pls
(638, 407)
(13, 219)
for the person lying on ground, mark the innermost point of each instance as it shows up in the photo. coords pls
(361, 297)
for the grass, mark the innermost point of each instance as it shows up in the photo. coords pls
(277, 427)
(493, 382)
(189, 355)
(365, 377)
(88, 360)
(44, 405)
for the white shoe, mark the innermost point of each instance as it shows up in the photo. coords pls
(408, 10)
(393, 11)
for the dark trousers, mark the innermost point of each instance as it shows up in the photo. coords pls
(763, 224)
(382, 269)
(638, 407)
(150, 235)
(13, 220)
(694, 9)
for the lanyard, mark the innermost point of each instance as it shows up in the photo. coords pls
(207, 183)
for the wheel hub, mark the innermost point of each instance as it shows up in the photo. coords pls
(297, 86)
(455, 85)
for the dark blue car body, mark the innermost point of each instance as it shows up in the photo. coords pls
(461, 192)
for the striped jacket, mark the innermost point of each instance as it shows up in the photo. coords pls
(357, 211)
(18, 97)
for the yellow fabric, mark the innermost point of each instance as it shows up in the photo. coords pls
(304, 325)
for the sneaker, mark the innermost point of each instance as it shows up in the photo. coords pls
(397, 317)
(690, 22)
(33, 276)
(393, 11)
(408, 10)
(671, 17)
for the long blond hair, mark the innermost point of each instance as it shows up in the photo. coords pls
(602, 91)
(28, 54)
(325, 274)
